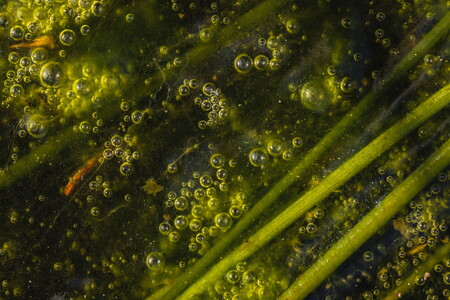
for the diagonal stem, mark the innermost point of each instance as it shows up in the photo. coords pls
(430, 39)
(346, 171)
(369, 225)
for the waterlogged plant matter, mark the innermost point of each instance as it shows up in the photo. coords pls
(224, 150)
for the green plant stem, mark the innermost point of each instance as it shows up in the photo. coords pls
(43, 155)
(369, 225)
(426, 267)
(429, 40)
(346, 171)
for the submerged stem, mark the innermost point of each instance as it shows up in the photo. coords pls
(428, 41)
(369, 225)
(346, 171)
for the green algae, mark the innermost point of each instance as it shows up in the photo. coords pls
(130, 170)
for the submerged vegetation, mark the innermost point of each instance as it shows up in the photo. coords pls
(224, 150)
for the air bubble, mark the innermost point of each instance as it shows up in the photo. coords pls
(233, 276)
(206, 181)
(129, 18)
(126, 168)
(39, 55)
(275, 147)
(347, 85)
(85, 29)
(181, 203)
(205, 34)
(292, 26)
(51, 74)
(261, 62)
(297, 142)
(180, 222)
(368, 256)
(97, 8)
(165, 228)
(154, 260)
(195, 225)
(243, 63)
(346, 23)
(258, 157)
(85, 127)
(67, 37)
(217, 160)
(95, 211)
(16, 33)
(223, 221)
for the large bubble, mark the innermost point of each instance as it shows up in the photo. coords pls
(316, 95)
(51, 74)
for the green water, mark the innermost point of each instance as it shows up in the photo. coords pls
(143, 142)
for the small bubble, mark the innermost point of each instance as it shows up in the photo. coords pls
(292, 26)
(380, 16)
(208, 89)
(107, 192)
(67, 37)
(297, 142)
(97, 8)
(233, 276)
(85, 127)
(379, 33)
(346, 23)
(16, 90)
(258, 157)
(174, 236)
(261, 62)
(223, 221)
(205, 34)
(95, 211)
(129, 18)
(235, 211)
(39, 55)
(429, 59)
(217, 160)
(243, 63)
(195, 225)
(154, 260)
(58, 266)
(126, 168)
(311, 228)
(368, 256)
(136, 116)
(181, 203)
(287, 155)
(13, 57)
(275, 147)
(331, 70)
(183, 90)
(85, 29)
(165, 228)
(16, 33)
(206, 180)
(180, 222)
(221, 174)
